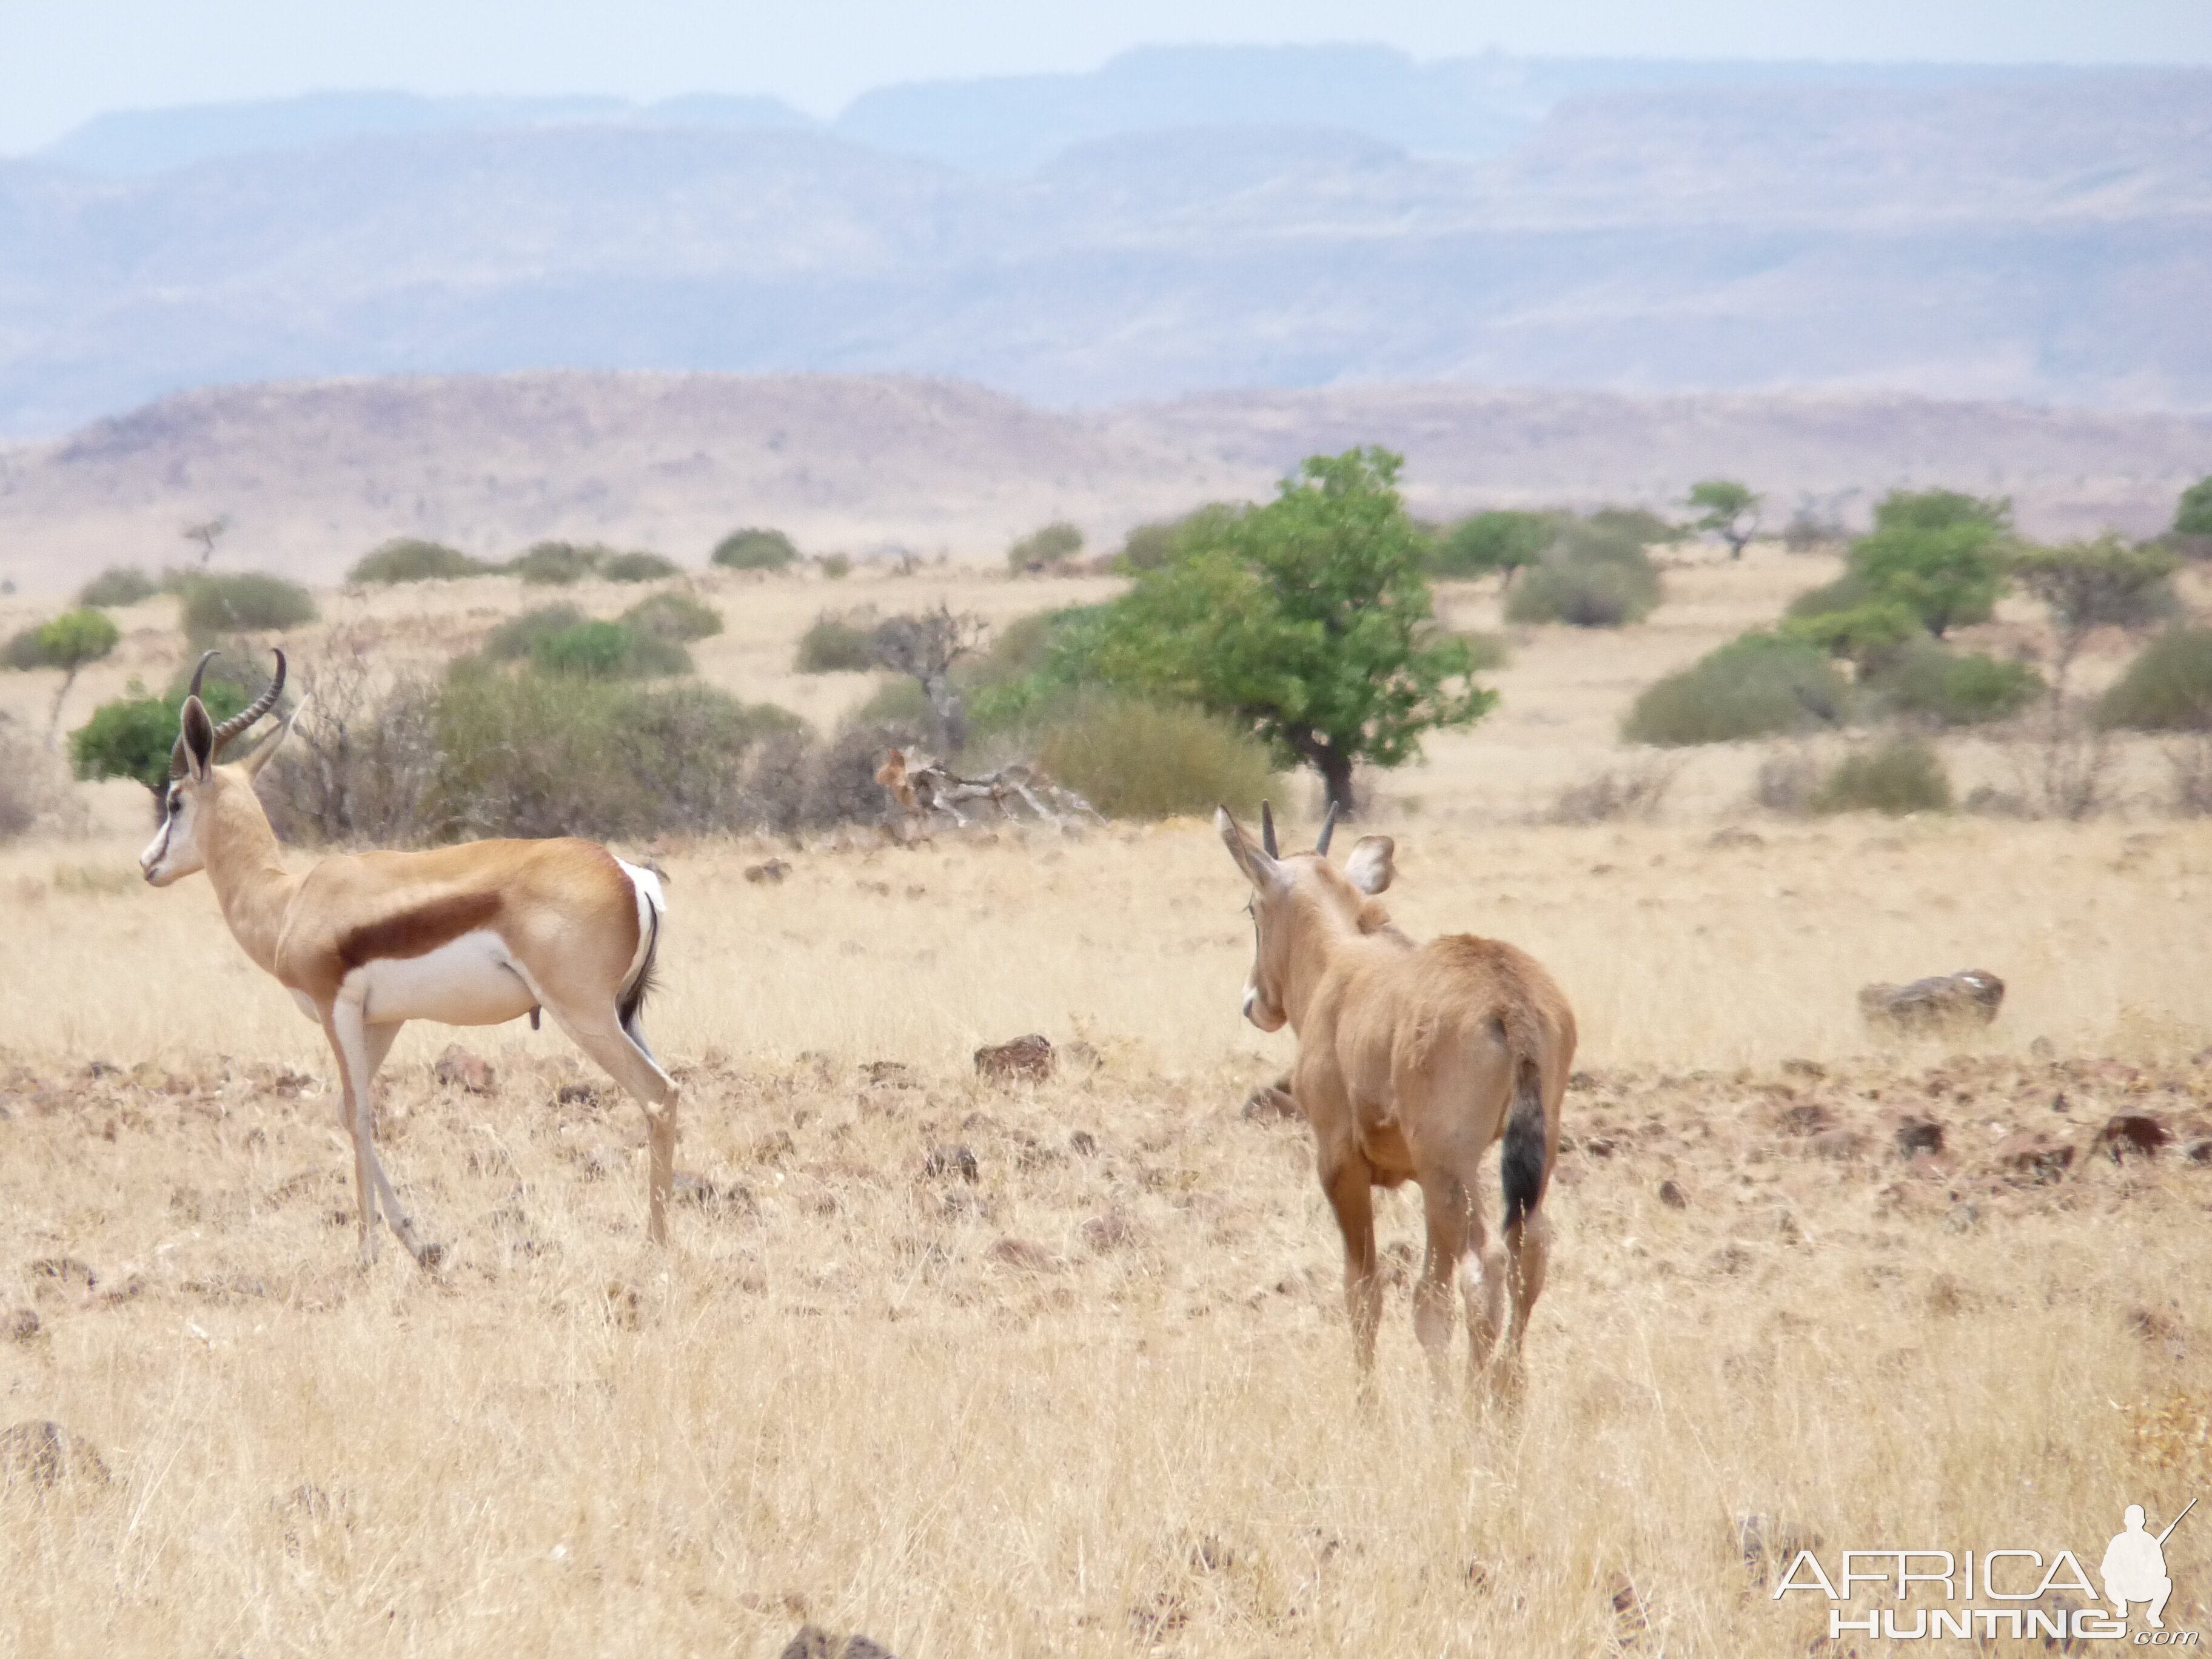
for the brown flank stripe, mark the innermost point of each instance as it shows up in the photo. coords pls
(418, 932)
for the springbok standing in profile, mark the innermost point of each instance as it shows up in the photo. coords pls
(1413, 1060)
(469, 935)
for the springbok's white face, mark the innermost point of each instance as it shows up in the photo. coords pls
(1282, 888)
(174, 852)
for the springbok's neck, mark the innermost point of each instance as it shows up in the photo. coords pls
(1318, 935)
(246, 866)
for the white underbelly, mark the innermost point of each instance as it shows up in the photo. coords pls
(469, 981)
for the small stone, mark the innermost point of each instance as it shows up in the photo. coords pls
(1021, 1253)
(1972, 996)
(1025, 1058)
(951, 1161)
(770, 870)
(1111, 1231)
(1083, 1143)
(891, 1074)
(1965, 1215)
(24, 1325)
(2037, 1157)
(1919, 1134)
(1807, 1068)
(1734, 835)
(1672, 1195)
(2136, 1133)
(62, 1271)
(1838, 1143)
(457, 1068)
(44, 1455)
(577, 1094)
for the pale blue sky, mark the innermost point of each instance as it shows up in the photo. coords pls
(63, 61)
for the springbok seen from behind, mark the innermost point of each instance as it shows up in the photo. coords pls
(1413, 1060)
(469, 935)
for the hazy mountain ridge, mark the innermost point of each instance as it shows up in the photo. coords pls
(310, 476)
(2043, 238)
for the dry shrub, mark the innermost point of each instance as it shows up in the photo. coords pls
(1635, 792)
(1755, 686)
(1133, 759)
(361, 760)
(1904, 774)
(1785, 783)
(838, 644)
(2190, 764)
(33, 786)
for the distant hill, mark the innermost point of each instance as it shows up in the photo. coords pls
(2014, 235)
(311, 476)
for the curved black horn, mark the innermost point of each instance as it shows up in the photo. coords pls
(252, 711)
(1327, 829)
(1268, 830)
(199, 670)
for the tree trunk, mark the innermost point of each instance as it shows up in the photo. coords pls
(1335, 765)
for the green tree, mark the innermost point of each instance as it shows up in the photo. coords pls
(1046, 551)
(131, 737)
(1942, 554)
(1505, 542)
(1730, 510)
(755, 548)
(68, 643)
(2087, 586)
(2192, 514)
(1304, 619)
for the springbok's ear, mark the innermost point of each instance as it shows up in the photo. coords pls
(1369, 867)
(197, 731)
(253, 763)
(1259, 869)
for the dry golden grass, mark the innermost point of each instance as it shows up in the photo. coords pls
(1099, 1401)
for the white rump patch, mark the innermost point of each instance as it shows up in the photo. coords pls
(651, 902)
(469, 980)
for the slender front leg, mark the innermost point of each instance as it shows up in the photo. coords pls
(350, 1113)
(1350, 1195)
(360, 1049)
(660, 1126)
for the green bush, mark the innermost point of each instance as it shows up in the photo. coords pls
(1849, 591)
(636, 567)
(556, 564)
(116, 586)
(409, 559)
(1953, 688)
(607, 651)
(2192, 513)
(674, 615)
(1045, 549)
(835, 566)
(1588, 577)
(1755, 686)
(2168, 688)
(1489, 542)
(897, 700)
(1150, 546)
(754, 550)
(23, 650)
(518, 636)
(249, 602)
(1940, 553)
(1134, 759)
(1637, 524)
(132, 736)
(559, 755)
(836, 645)
(1905, 774)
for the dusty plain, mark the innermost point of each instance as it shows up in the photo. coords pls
(1097, 1400)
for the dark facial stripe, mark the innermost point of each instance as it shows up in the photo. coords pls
(419, 931)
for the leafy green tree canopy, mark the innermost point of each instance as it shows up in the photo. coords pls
(1728, 509)
(2105, 583)
(755, 548)
(1941, 554)
(131, 737)
(2192, 514)
(1502, 541)
(1305, 617)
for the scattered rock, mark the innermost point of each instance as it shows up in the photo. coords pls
(625, 1304)
(1021, 1253)
(1809, 1068)
(2164, 1330)
(2199, 1152)
(772, 1148)
(2132, 1132)
(767, 870)
(812, 1642)
(577, 1094)
(1109, 1232)
(1026, 1057)
(1673, 1196)
(1806, 1118)
(699, 1192)
(1734, 835)
(24, 1325)
(891, 1074)
(1631, 1620)
(949, 1161)
(1972, 996)
(1601, 1146)
(1769, 1543)
(44, 1455)
(1083, 1143)
(458, 1068)
(1919, 1134)
(1964, 1215)
(2023, 1152)
(1838, 1143)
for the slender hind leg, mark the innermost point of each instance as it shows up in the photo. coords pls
(625, 1059)
(1529, 1245)
(1448, 1207)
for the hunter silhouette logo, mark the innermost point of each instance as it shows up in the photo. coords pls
(2134, 1566)
(1986, 1594)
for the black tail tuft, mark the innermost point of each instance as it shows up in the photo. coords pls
(1520, 1166)
(634, 993)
